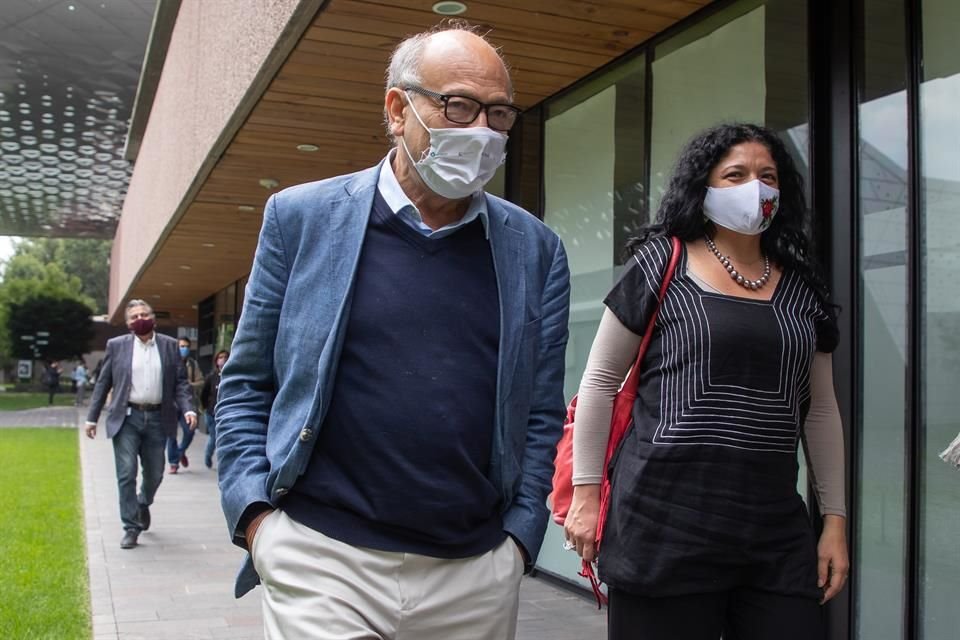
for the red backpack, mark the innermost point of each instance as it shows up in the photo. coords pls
(562, 494)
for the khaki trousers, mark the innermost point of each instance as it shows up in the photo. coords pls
(319, 588)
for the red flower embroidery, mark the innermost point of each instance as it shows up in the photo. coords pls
(767, 206)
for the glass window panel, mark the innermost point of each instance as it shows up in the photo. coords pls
(693, 89)
(593, 198)
(883, 192)
(940, 204)
(747, 63)
(496, 184)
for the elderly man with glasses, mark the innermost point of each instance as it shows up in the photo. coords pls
(150, 390)
(388, 417)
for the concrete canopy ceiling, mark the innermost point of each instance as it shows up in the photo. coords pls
(328, 93)
(68, 77)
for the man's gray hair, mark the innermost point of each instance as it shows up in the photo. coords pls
(404, 69)
(137, 302)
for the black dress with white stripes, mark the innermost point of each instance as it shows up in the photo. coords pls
(704, 494)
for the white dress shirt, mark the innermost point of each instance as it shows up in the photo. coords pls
(146, 379)
(389, 187)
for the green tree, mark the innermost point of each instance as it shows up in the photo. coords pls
(66, 321)
(26, 277)
(87, 259)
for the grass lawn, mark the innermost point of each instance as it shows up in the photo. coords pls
(15, 401)
(44, 589)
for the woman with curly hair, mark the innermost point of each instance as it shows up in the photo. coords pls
(706, 533)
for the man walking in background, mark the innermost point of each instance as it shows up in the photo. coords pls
(177, 453)
(146, 375)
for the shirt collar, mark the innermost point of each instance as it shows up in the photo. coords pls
(399, 203)
(149, 343)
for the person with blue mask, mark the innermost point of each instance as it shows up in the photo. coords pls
(388, 416)
(177, 452)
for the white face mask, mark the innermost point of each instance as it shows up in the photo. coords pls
(746, 208)
(460, 161)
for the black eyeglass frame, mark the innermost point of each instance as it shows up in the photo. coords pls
(445, 98)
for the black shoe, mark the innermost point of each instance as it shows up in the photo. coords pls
(143, 515)
(129, 539)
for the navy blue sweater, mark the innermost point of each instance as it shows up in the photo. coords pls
(402, 457)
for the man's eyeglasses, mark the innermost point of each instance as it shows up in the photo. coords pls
(138, 316)
(464, 110)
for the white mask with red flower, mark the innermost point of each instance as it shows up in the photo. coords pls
(746, 208)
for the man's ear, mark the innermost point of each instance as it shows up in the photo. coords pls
(394, 103)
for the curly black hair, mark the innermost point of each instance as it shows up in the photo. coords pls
(786, 241)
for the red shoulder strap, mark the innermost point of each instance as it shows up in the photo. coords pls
(633, 378)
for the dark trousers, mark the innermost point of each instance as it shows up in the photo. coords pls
(141, 436)
(175, 451)
(211, 439)
(741, 614)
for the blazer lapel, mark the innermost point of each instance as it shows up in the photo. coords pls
(506, 244)
(347, 222)
(125, 355)
(126, 352)
(349, 217)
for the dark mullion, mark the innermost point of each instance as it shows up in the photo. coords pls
(914, 404)
(835, 187)
(542, 145)
(647, 134)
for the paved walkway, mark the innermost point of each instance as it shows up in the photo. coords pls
(43, 417)
(179, 582)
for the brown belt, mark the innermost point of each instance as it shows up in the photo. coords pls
(143, 407)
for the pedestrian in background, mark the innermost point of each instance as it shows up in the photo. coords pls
(208, 400)
(149, 391)
(177, 452)
(51, 378)
(80, 380)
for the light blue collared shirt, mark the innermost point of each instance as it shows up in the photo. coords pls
(402, 206)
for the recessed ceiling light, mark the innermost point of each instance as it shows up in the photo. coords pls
(449, 8)
(168, 284)
(246, 208)
(208, 244)
(156, 295)
(307, 148)
(185, 267)
(269, 183)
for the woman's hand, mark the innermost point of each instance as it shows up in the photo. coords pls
(833, 563)
(580, 527)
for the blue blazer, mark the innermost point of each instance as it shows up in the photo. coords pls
(276, 386)
(115, 372)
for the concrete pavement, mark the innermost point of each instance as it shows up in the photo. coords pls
(178, 583)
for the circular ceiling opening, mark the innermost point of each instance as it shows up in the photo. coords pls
(449, 8)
